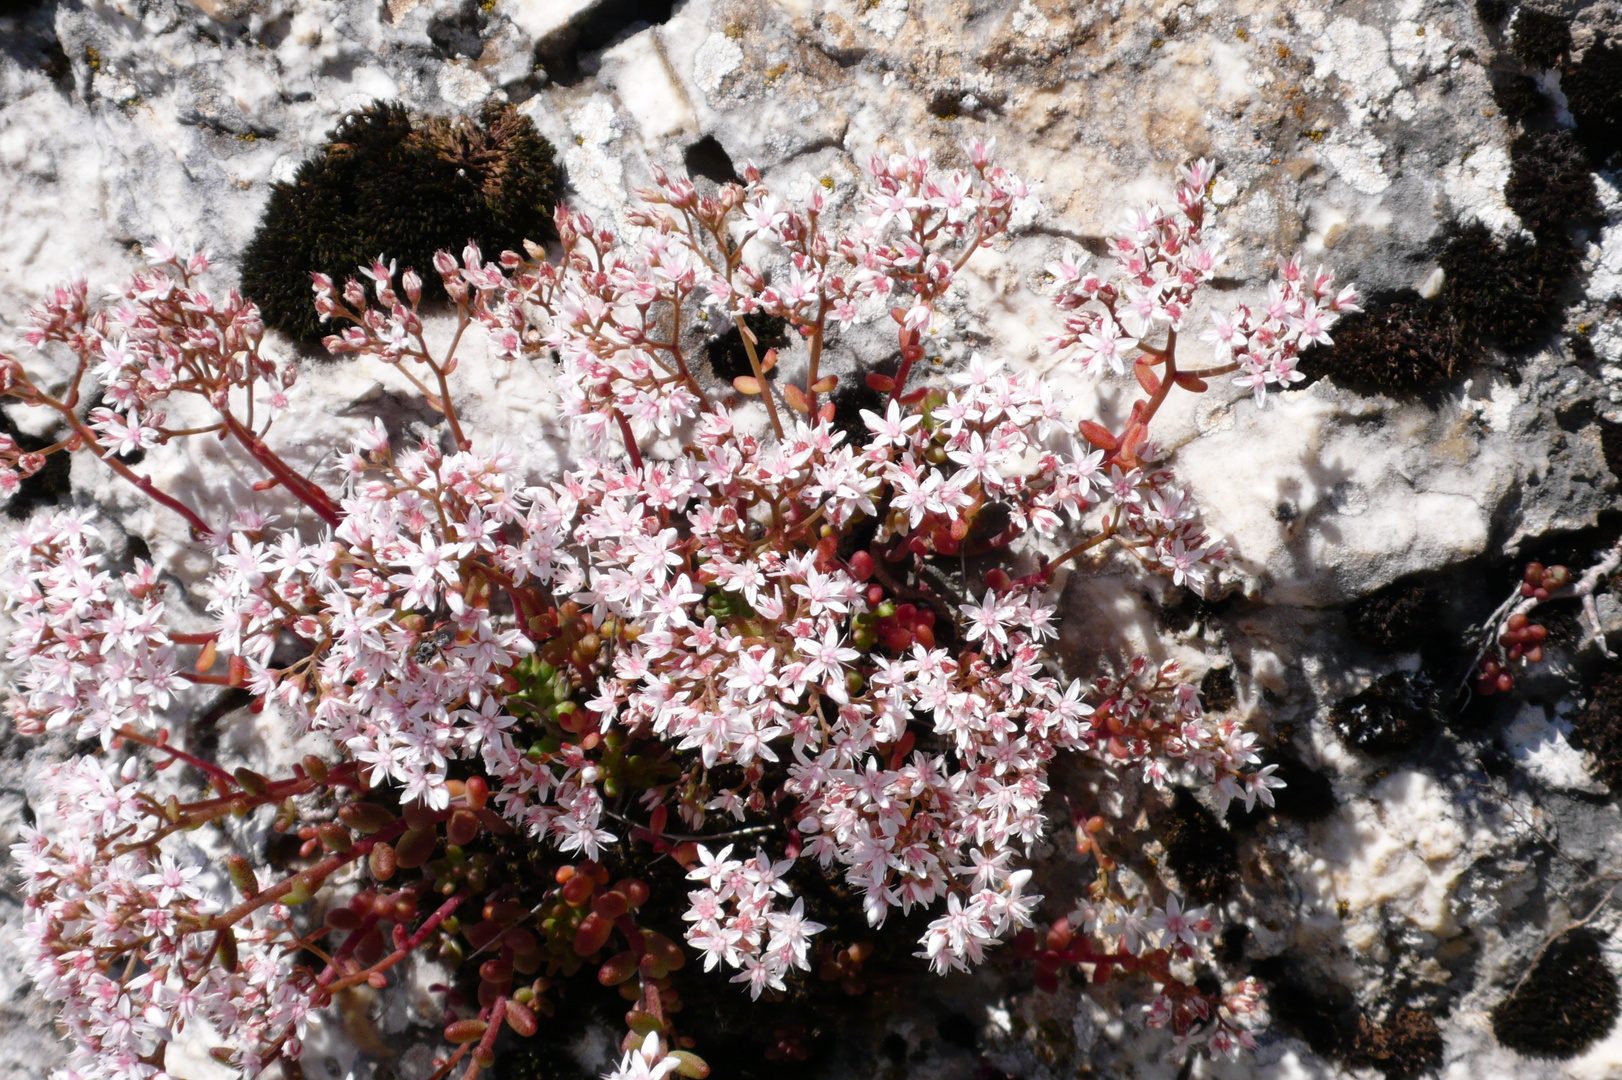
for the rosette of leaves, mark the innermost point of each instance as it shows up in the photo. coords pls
(388, 183)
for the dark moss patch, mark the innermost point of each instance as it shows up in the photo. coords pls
(1550, 183)
(1408, 1044)
(1567, 1003)
(1217, 691)
(1201, 852)
(1517, 96)
(1399, 617)
(1401, 343)
(1396, 712)
(727, 356)
(1538, 39)
(405, 187)
(1593, 90)
(1598, 729)
(1492, 12)
(1504, 294)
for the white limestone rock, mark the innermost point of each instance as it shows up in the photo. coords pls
(1356, 134)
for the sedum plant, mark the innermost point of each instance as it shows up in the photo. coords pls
(763, 630)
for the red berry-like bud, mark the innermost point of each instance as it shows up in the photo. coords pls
(861, 566)
(1534, 655)
(610, 905)
(578, 889)
(465, 1031)
(462, 827)
(1505, 683)
(1534, 573)
(1516, 621)
(521, 1019)
(592, 934)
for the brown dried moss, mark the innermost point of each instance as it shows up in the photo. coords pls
(1567, 1003)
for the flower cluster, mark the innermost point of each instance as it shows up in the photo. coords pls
(757, 608)
(96, 892)
(97, 652)
(1162, 258)
(733, 919)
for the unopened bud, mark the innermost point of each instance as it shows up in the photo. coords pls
(415, 848)
(382, 862)
(252, 782)
(465, 1031)
(365, 818)
(690, 1065)
(227, 949)
(242, 876)
(335, 838)
(462, 828)
(520, 1019)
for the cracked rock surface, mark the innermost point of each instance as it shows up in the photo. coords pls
(1364, 134)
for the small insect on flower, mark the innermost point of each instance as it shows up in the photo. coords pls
(431, 644)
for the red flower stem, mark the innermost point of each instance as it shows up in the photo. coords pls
(127, 732)
(1085, 545)
(309, 494)
(351, 943)
(210, 680)
(1211, 373)
(443, 912)
(312, 877)
(445, 1069)
(486, 1046)
(199, 527)
(630, 440)
(760, 375)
